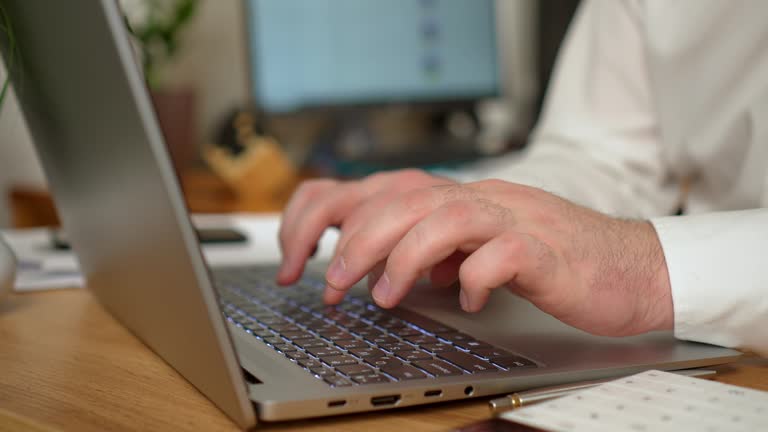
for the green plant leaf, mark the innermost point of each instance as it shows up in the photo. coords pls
(159, 35)
(7, 29)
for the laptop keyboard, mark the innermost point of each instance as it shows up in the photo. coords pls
(356, 342)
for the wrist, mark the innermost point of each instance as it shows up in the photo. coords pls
(657, 291)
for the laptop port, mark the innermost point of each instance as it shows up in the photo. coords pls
(433, 393)
(385, 400)
(469, 390)
(337, 403)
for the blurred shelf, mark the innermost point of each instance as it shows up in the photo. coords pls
(203, 191)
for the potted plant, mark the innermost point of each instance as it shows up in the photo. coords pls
(157, 26)
(6, 31)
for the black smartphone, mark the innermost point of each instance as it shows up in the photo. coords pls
(59, 239)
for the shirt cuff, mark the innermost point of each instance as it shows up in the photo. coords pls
(718, 276)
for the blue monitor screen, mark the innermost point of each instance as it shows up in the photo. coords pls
(307, 53)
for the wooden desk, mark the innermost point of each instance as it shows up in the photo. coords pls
(67, 364)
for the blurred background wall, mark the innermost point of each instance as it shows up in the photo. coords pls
(214, 62)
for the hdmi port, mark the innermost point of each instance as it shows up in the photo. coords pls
(385, 400)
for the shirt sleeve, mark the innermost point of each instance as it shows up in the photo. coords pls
(597, 142)
(717, 271)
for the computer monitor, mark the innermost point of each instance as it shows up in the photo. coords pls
(323, 53)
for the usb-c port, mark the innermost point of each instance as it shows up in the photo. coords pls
(433, 393)
(337, 403)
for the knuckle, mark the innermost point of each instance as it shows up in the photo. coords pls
(513, 246)
(458, 211)
(492, 184)
(411, 175)
(455, 192)
(317, 213)
(316, 185)
(416, 200)
(360, 244)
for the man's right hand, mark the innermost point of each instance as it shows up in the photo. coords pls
(320, 204)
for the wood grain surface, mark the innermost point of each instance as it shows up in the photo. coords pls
(65, 364)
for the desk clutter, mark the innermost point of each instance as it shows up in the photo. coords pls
(651, 401)
(42, 265)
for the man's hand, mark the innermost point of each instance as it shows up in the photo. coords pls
(600, 274)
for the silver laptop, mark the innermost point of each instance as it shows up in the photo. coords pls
(258, 352)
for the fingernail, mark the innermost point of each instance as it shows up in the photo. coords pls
(336, 272)
(381, 290)
(464, 300)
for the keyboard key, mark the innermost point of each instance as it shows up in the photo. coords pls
(351, 323)
(324, 351)
(322, 372)
(356, 369)
(284, 347)
(413, 355)
(381, 340)
(490, 353)
(381, 362)
(403, 372)
(468, 362)
(285, 327)
(296, 355)
(352, 343)
(367, 332)
(339, 360)
(274, 340)
(394, 347)
(513, 361)
(310, 343)
(455, 337)
(262, 332)
(390, 323)
(438, 347)
(367, 352)
(336, 335)
(472, 344)
(270, 320)
(337, 381)
(374, 378)
(309, 363)
(429, 325)
(298, 335)
(422, 339)
(438, 367)
(407, 331)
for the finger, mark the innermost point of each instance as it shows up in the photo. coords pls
(375, 274)
(301, 198)
(304, 195)
(333, 296)
(373, 242)
(457, 226)
(383, 189)
(446, 272)
(302, 236)
(367, 211)
(508, 258)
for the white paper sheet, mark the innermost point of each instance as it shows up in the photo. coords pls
(43, 267)
(651, 401)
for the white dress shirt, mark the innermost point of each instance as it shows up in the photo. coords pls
(644, 95)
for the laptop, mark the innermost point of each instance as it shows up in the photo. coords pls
(258, 352)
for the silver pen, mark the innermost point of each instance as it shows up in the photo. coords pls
(517, 400)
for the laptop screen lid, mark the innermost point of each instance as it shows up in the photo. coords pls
(95, 131)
